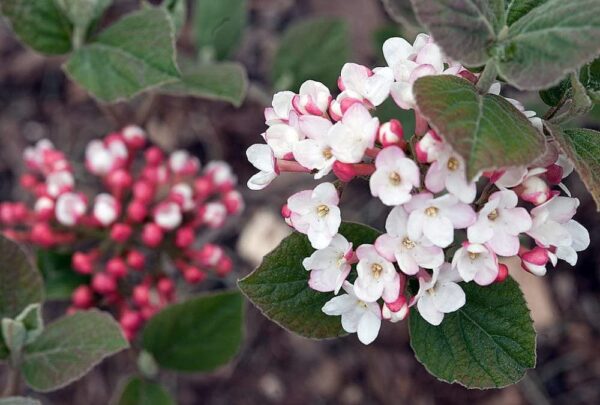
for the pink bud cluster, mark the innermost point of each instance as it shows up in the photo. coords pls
(443, 228)
(153, 206)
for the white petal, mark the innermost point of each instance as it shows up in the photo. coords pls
(368, 327)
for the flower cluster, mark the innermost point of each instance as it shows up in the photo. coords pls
(154, 206)
(440, 231)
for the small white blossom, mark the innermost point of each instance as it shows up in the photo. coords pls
(261, 157)
(330, 266)
(371, 85)
(353, 134)
(313, 98)
(476, 262)
(69, 208)
(449, 171)
(395, 176)
(439, 294)
(377, 277)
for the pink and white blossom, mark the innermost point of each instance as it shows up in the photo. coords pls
(395, 176)
(70, 208)
(377, 277)
(439, 293)
(371, 85)
(106, 209)
(449, 171)
(261, 156)
(476, 262)
(313, 98)
(536, 259)
(279, 112)
(354, 134)
(329, 267)
(168, 215)
(316, 151)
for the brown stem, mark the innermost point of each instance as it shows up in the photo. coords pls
(12, 383)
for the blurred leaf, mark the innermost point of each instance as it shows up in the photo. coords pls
(13, 335)
(134, 54)
(402, 12)
(486, 130)
(313, 49)
(226, 81)
(590, 77)
(554, 95)
(196, 335)
(516, 9)
(279, 286)
(464, 29)
(20, 282)
(59, 277)
(581, 102)
(488, 343)
(142, 392)
(19, 401)
(219, 26)
(32, 321)
(582, 146)
(39, 24)
(548, 42)
(177, 9)
(69, 348)
(83, 12)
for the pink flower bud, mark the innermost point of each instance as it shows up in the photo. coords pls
(120, 232)
(285, 211)
(502, 273)
(6, 214)
(183, 195)
(136, 211)
(209, 255)
(116, 267)
(141, 295)
(134, 136)
(69, 208)
(136, 260)
(344, 171)
(535, 260)
(203, 187)
(106, 209)
(428, 147)
(233, 201)
(42, 235)
(152, 235)
(98, 158)
(104, 283)
(82, 263)
(193, 275)
(165, 286)
(143, 191)
(397, 310)
(28, 181)
(182, 163)
(184, 237)
(130, 320)
(554, 174)
(167, 215)
(466, 74)
(119, 180)
(20, 211)
(220, 174)
(154, 156)
(391, 133)
(224, 266)
(82, 297)
(214, 214)
(534, 190)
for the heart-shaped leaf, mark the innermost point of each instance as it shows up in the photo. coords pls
(279, 286)
(134, 54)
(69, 347)
(488, 343)
(138, 391)
(548, 42)
(486, 130)
(464, 29)
(582, 146)
(196, 335)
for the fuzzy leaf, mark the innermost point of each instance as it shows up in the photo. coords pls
(59, 278)
(219, 26)
(402, 12)
(196, 335)
(177, 9)
(582, 146)
(311, 50)
(488, 343)
(464, 29)
(134, 54)
(590, 78)
(138, 391)
(279, 286)
(69, 348)
(225, 81)
(83, 12)
(548, 42)
(486, 130)
(39, 24)
(516, 9)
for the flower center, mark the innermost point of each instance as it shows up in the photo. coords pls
(431, 211)
(473, 255)
(395, 178)
(327, 153)
(453, 164)
(408, 244)
(362, 304)
(322, 210)
(493, 215)
(376, 270)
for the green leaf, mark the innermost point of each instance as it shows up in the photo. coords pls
(59, 277)
(20, 282)
(218, 26)
(196, 335)
(590, 78)
(402, 12)
(548, 42)
(486, 130)
(488, 343)
(19, 401)
(13, 334)
(464, 29)
(225, 81)
(313, 49)
(83, 12)
(279, 286)
(177, 9)
(582, 146)
(580, 102)
(39, 24)
(32, 321)
(70, 347)
(516, 9)
(554, 95)
(142, 392)
(134, 54)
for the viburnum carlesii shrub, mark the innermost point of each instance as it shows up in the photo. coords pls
(476, 184)
(152, 207)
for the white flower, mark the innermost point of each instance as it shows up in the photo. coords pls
(357, 316)
(371, 85)
(316, 214)
(439, 294)
(500, 222)
(168, 215)
(449, 172)
(394, 177)
(59, 182)
(315, 152)
(553, 226)
(396, 245)
(509, 177)
(330, 266)
(184, 196)
(429, 148)
(282, 137)
(261, 157)
(106, 209)
(377, 277)
(314, 98)
(436, 218)
(476, 262)
(281, 107)
(98, 159)
(355, 133)
(69, 208)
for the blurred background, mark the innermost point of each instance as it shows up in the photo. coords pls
(274, 367)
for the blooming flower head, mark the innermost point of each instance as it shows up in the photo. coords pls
(395, 176)
(329, 267)
(377, 277)
(477, 262)
(439, 293)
